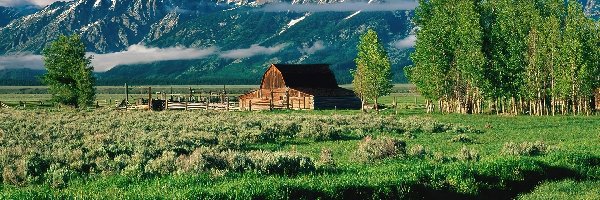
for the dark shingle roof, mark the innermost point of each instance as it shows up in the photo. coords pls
(307, 76)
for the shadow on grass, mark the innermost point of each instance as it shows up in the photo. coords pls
(496, 187)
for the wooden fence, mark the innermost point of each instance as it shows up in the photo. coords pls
(2, 105)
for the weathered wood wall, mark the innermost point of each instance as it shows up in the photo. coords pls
(282, 98)
(272, 79)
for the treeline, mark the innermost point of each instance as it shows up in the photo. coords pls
(537, 57)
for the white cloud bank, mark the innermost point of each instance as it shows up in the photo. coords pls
(406, 43)
(342, 7)
(21, 61)
(317, 46)
(140, 54)
(254, 50)
(16, 3)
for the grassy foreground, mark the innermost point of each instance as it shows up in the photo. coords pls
(62, 154)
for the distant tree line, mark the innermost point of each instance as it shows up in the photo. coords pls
(538, 57)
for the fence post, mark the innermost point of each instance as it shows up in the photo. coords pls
(395, 106)
(271, 102)
(208, 100)
(149, 98)
(126, 96)
(287, 97)
(227, 103)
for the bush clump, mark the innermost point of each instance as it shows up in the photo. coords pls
(370, 149)
(417, 151)
(462, 138)
(281, 162)
(319, 131)
(326, 158)
(466, 154)
(163, 165)
(58, 176)
(525, 148)
(202, 159)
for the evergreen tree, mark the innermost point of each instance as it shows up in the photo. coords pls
(373, 75)
(69, 78)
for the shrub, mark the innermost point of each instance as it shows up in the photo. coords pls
(439, 157)
(58, 176)
(417, 151)
(466, 154)
(370, 149)
(28, 169)
(281, 162)
(135, 165)
(163, 165)
(318, 131)
(524, 149)
(237, 161)
(462, 138)
(326, 158)
(281, 129)
(15, 174)
(202, 159)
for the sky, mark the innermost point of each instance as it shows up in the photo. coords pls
(15, 3)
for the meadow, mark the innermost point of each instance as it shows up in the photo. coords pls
(403, 153)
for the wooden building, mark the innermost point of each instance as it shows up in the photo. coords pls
(299, 87)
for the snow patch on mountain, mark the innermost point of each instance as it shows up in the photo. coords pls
(294, 22)
(352, 15)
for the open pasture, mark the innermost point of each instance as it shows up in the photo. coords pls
(57, 153)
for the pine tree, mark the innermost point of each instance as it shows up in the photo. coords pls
(373, 75)
(69, 78)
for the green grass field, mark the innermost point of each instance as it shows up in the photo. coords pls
(49, 153)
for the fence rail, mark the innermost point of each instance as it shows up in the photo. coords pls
(2, 105)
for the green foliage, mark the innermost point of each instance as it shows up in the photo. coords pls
(281, 162)
(525, 148)
(418, 151)
(462, 138)
(69, 73)
(373, 74)
(466, 154)
(105, 154)
(370, 149)
(522, 57)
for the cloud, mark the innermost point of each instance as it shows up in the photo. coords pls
(342, 7)
(317, 46)
(406, 43)
(139, 54)
(17, 3)
(254, 50)
(21, 61)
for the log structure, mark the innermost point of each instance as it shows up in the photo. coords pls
(299, 87)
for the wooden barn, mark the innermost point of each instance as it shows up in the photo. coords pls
(299, 87)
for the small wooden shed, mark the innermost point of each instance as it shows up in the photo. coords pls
(286, 86)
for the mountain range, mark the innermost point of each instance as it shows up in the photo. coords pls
(229, 41)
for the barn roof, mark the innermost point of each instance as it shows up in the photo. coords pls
(307, 76)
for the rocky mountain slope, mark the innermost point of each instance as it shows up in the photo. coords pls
(7, 14)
